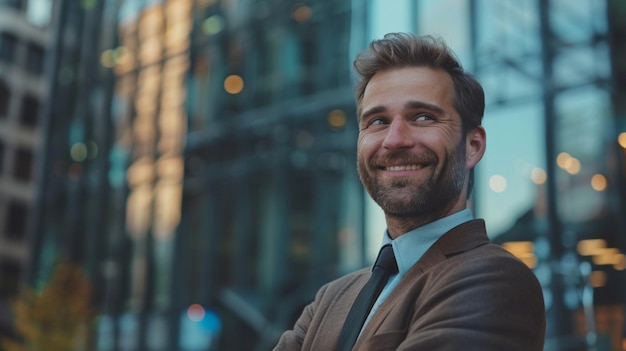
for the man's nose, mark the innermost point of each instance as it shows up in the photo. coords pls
(399, 135)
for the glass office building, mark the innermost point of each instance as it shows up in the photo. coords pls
(24, 36)
(199, 159)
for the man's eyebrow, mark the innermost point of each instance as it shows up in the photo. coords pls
(418, 105)
(410, 105)
(372, 111)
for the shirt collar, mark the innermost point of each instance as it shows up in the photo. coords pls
(409, 247)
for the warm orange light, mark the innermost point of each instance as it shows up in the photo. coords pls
(598, 182)
(607, 256)
(519, 248)
(139, 211)
(302, 13)
(151, 22)
(172, 123)
(621, 140)
(336, 118)
(140, 172)
(538, 176)
(570, 164)
(167, 206)
(233, 84)
(172, 126)
(177, 36)
(590, 247)
(176, 68)
(173, 96)
(563, 159)
(573, 166)
(150, 51)
(620, 262)
(597, 279)
(144, 129)
(170, 168)
(180, 9)
(524, 250)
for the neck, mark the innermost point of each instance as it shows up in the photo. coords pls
(397, 226)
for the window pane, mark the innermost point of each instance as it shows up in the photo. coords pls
(8, 44)
(17, 214)
(5, 97)
(30, 111)
(9, 277)
(34, 59)
(23, 166)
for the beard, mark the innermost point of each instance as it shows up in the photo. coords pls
(428, 198)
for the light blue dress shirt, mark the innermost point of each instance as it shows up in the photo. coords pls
(409, 248)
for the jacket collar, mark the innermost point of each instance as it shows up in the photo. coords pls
(461, 238)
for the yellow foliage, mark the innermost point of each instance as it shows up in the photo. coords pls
(57, 318)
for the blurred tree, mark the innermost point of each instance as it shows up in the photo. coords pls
(56, 318)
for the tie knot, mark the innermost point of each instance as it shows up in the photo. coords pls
(386, 260)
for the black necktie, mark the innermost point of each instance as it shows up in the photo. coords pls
(384, 266)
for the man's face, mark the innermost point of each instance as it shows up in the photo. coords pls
(411, 153)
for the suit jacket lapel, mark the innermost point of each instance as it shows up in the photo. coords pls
(461, 238)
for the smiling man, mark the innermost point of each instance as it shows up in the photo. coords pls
(438, 283)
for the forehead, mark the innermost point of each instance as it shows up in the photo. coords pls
(394, 87)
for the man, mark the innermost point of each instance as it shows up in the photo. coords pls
(420, 136)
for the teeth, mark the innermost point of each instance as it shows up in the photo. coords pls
(404, 168)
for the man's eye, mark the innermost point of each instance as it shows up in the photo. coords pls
(423, 117)
(378, 121)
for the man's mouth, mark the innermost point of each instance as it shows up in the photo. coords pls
(403, 168)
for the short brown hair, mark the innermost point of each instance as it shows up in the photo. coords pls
(399, 50)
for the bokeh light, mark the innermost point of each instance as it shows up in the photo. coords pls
(301, 13)
(497, 183)
(573, 167)
(196, 312)
(538, 176)
(563, 159)
(213, 25)
(597, 279)
(598, 182)
(620, 262)
(78, 152)
(590, 247)
(233, 84)
(621, 139)
(106, 58)
(568, 163)
(336, 119)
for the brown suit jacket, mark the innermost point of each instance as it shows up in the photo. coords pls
(465, 293)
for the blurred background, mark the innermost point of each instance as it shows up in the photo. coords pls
(180, 174)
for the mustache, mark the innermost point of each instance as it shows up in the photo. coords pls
(405, 157)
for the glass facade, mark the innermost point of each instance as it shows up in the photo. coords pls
(269, 175)
(22, 88)
(546, 69)
(199, 160)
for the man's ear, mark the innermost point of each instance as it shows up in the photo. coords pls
(476, 141)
